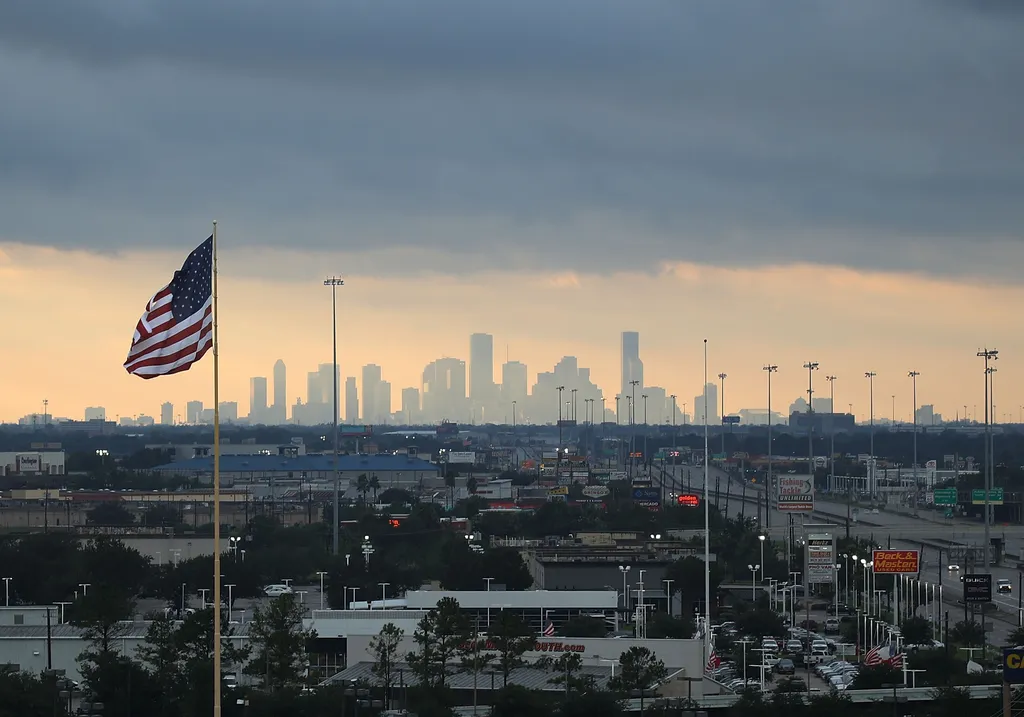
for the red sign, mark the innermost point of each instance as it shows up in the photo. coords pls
(538, 647)
(896, 562)
(689, 500)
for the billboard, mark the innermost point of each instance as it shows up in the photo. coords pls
(796, 493)
(688, 500)
(821, 559)
(641, 494)
(896, 562)
(1013, 665)
(560, 490)
(29, 463)
(977, 588)
(596, 491)
(461, 457)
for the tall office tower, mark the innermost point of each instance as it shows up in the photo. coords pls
(258, 400)
(410, 406)
(351, 401)
(228, 412)
(513, 388)
(280, 413)
(698, 406)
(371, 388)
(326, 371)
(167, 414)
(444, 391)
(193, 412)
(482, 393)
(314, 393)
(95, 413)
(632, 366)
(384, 402)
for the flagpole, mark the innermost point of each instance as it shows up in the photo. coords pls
(707, 520)
(216, 491)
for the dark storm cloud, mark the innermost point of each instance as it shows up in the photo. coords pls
(597, 134)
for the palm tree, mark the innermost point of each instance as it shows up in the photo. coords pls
(374, 485)
(362, 486)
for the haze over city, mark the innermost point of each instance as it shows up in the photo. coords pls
(782, 194)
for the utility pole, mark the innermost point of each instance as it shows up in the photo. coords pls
(917, 488)
(989, 355)
(870, 376)
(811, 367)
(334, 282)
(769, 489)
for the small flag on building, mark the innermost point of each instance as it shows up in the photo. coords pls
(176, 329)
(549, 631)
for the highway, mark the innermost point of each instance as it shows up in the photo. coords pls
(927, 532)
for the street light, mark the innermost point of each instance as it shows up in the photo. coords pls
(624, 569)
(811, 367)
(870, 376)
(762, 538)
(913, 377)
(989, 355)
(367, 550)
(7, 591)
(383, 595)
(769, 369)
(753, 582)
(334, 282)
(321, 574)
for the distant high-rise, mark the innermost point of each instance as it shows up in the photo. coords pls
(327, 384)
(444, 390)
(371, 391)
(193, 412)
(513, 388)
(95, 413)
(280, 413)
(314, 392)
(482, 391)
(384, 402)
(698, 406)
(228, 411)
(351, 401)
(258, 400)
(167, 414)
(410, 406)
(632, 366)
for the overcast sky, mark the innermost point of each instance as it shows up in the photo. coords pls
(564, 140)
(597, 133)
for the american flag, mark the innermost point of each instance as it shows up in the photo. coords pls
(873, 657)
(896, 661)
(714, 662)
(550, 629)
(176, 329)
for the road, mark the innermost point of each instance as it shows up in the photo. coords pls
(929, 533)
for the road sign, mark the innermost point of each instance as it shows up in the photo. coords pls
(820, 559)
(946, 496)
(730, 420)
(896, 562)
(995, 496)
(796, 493)
(977, 588)
(1013, 665)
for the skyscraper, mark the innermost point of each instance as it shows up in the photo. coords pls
(513, 388)
(444, 390)
(351, 401)
(372, 395)
(280, 413)
(193, 412)
(410, 406)
(482, 393)
(632, 366)
(258, 400)
(698, 406)
(167, 414)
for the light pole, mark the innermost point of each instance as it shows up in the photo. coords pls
(632, 413)
(707, 520)
(668, 595)
(367, 550)
(832, 430)
(913, 377)
(990, 355)
(574, 404)
(721, 378)
(870, 376)
(321, 575)
(231, 595)
(7, 591)
(811, 367)
(762, 538)
(753, 582)
(618, 398)
(85, 588)
(334, 282)
(383, 595)
(769, 489)
(624, 569)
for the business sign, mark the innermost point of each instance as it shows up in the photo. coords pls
(730, 420)
(995, 496)
(944, 496)
(977, 588)
(355, 431)
(647, 494)
(821, 559)
(1013, 665)
(29, 463)
(462, 457)
(896, 562)
(596, 491)
(501, 454)
(796, 493)
(559, 490)
(652, 505)
(689, 500)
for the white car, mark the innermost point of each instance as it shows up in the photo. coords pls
(277, 590)
(953, 568)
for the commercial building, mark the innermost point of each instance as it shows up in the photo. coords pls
(32, 463)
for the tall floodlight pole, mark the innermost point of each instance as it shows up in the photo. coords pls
(707, 520)
(913, 378)
(870, 376)
(769, 489)
(832, 447)
(989, 355)
(722, 377)
(334, 282)
(811, 367)
(632, 421)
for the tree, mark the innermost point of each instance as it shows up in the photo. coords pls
(279, 643)
(592, 703)
(688, 573)
(24, 695)
(663, 625)
(916, 631)
(159, 654)
(161, 515)
(385, 656)
(639, 669)
(113, 514)
(474, 659)
(439, 636)
(101, 613)
(967, 633)
(566, 666)
(584, 626)
(760, 623)
(1016, 637)
(512, 638)
(873, 677)
(362, 487)
(374, 485)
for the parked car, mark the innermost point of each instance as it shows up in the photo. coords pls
(785, 666)
(832, 625)
(277, 590)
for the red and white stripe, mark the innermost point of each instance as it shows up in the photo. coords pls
(714, 662)
(873, 656)
(549, 631)
(161, 345)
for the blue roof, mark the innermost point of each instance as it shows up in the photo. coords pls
(315, 463)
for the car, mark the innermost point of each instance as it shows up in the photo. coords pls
(794, 646)
(874, 511)
(953, 568)
(832, 625)
(785, 667)
(1004, 586)
(277, 590)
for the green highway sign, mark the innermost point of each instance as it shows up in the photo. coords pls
(947, 496)
(995, 496)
